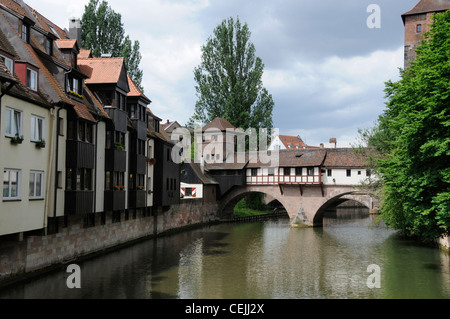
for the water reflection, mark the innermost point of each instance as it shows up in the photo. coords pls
(260, 260)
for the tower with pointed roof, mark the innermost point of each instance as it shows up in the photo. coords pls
(417, 21)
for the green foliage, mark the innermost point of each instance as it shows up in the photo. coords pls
(229, 81)
(103, 33)
(251, 205)
(412, 137)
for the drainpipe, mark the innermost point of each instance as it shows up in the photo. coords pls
(56, 166)
(49, 166)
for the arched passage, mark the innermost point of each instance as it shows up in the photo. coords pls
(304, 204)
(226, 209)
(364, 199)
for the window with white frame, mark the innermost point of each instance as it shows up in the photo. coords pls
(32, 79)
(36, 185)
(9, 63)
(11, 184)
(13, 122)
(37, 128)
(75, 85)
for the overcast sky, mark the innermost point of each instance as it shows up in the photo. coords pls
(324, 66)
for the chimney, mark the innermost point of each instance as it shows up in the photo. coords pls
(321, 145)
(333, 141)
(168, 122)
(75, 29)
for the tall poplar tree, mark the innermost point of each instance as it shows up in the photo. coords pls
(412, 137)
(103, 32)
(229, 80)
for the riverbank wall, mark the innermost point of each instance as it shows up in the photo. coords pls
(78, 238)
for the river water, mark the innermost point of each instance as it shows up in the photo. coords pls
(350, 257)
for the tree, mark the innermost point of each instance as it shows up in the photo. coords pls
(229, 81)
(412, 138)
(103, 33)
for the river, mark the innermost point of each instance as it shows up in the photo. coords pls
(352, 256)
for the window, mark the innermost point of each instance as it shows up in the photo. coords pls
(349, 173)
(60, 126)
(36, 185)
(287, 171)
(11, 184)
(329, 172)
(32, 79)
(298, 171)
(271, 171)
(13, 119)
(119, 179)
(69, 179)
(24, 31)
(254, 172)
(9, 63)
(188, 192)
(37, 128)
(419, 28)
(84, 179)
(75, 86)
(48, 46)
(310, 171)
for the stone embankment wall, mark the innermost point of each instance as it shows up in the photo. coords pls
(34, 254)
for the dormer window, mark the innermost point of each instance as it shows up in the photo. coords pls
(48, 46)
(9, 63)
(32, 79)
(73, 85)
(25, 32)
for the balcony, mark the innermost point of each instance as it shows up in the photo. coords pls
(137, 198)
(79, 202)
(141, 129)
(115, 160)
(119, 118)
(138, 163)
(80, 154)
(114, 200)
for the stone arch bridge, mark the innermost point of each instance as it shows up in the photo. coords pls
(305, 204)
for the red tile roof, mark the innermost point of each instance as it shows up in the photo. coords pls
(85, 54)
(292, 142)
(101, 70)
(135, 91)
(425, 6)
(66, 43)
(344, 157)
(219, 123)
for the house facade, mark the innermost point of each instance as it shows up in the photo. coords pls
(78, 141)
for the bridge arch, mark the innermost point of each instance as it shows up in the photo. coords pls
(227, 204)
(363, 198)
(305, 205)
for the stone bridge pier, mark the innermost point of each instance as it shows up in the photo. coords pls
(305, 204)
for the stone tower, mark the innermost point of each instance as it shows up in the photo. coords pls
(416, 22)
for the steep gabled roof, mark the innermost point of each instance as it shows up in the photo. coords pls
(102, 70)
(292, 142)
(67, 44)
(425, 6)
(218, 123)
(135, 91)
